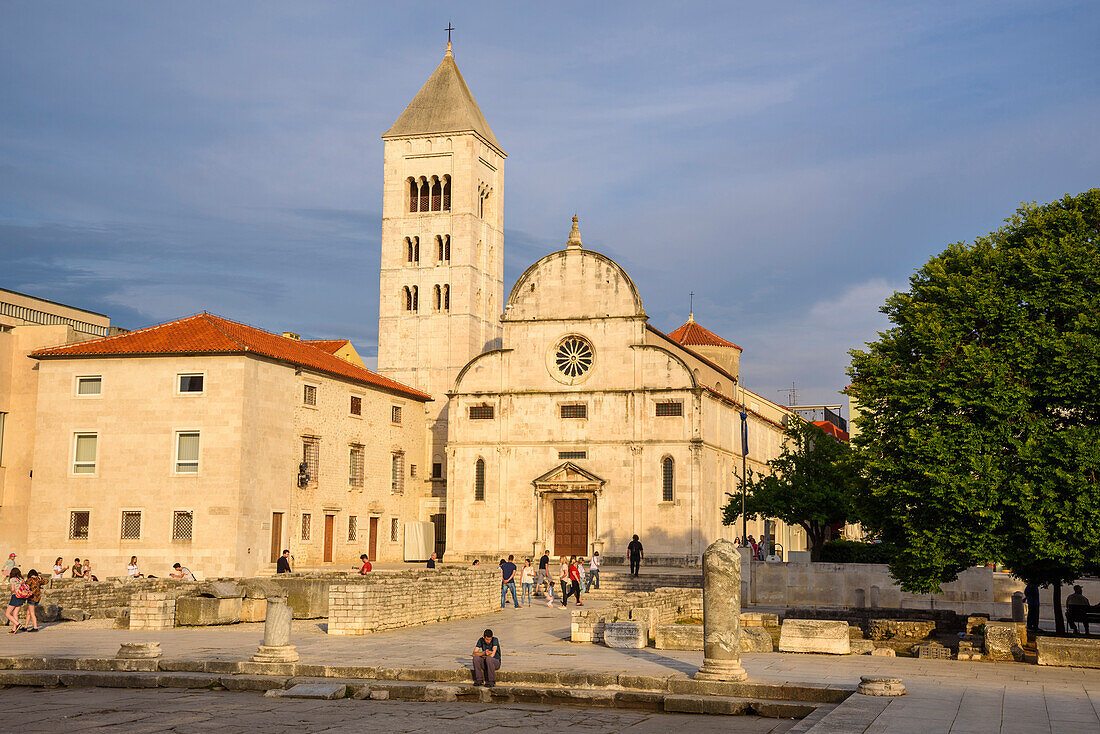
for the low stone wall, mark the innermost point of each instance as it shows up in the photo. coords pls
(391, 600)
(106, 598)
(1071, 651)
(649, 608)
(885, 622)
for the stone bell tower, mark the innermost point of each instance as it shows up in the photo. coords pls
(442, 277)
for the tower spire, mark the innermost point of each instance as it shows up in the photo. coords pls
(574, 234)
(450, 27)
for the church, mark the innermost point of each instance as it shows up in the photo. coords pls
(562, 419)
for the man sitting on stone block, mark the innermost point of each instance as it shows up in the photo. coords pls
(1077, 610)
(486, 660)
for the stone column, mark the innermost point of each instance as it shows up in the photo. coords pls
(721, 613)
(277, 647)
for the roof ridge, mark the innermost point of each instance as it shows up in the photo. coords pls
(223, 332)
(112, 337)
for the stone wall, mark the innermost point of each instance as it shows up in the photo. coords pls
(651, 608)
(409, 598)
(105, 598)
(152, 610)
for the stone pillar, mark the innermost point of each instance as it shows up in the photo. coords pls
(1018, 614)
(152, 610)
(721, 613)
(277, 647)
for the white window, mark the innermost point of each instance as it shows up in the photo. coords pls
(353, 528)
(183, 524)
(89, 386)
(309, 395)
(393, 529)
(84, 453)
(131, 525)
(79, 521)
(187, 452)
(190, 383)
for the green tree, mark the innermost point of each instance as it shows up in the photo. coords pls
(811, 484)
(980, 437)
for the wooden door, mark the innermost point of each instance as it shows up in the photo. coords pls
(570, 527)
(276, 536)
(330, 527)
(373, 551)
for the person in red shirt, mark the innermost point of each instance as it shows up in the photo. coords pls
(575, 577)
(366, 567)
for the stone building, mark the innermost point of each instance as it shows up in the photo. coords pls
(217, 444)
(28, 323)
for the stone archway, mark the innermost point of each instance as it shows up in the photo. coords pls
(567, 498)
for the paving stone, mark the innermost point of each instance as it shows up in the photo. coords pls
(325, 691)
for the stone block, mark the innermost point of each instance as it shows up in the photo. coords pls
(706, 705)
(756, 639)
(862, 647)
(884, 652)
(201, 611)
(221, 590)
(679, 637)
(1069, 651)
(967, 651)
(1002, 641)
(815, 635)
(934, 651)
(870, 685)
(323, 691)
(759, 619)
(648, 618)
(625, 635)
(976, 622)
(883, 629)
(253, 610)
(798, 557)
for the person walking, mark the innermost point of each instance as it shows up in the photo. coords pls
(35, 582)
(59, 569)
(486, 659)
(593, 578)
(755, 548)
(19, 593)
(132, 571)
(636, 553)
(527, 579)
(508, 581)
(1031, 596)
(563, 579)
(283, 564)
(544, 574)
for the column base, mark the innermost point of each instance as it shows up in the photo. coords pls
(728, 670)
(275, 654)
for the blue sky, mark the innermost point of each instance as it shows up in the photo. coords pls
(792, 163)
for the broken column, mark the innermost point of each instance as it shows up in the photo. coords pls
(277, 647)
(721, 613)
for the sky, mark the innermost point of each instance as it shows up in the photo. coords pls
(790, 163)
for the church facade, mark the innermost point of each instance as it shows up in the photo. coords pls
(561, 418)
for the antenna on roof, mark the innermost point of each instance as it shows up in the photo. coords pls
(691, 307)
(792, 394)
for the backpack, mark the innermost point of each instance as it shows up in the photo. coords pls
(24, 591)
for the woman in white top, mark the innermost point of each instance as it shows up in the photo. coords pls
(132, 570)
(564, 580)
(58, 569)
(527, 579)
(593, 578)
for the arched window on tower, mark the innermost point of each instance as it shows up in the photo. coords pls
(446, 248)
(414, 194)
(438, 297)
(446, 193)
(416, 249)
(437, 195)
(424, 194)
(668, 476)
(415, 299)
(439, 247)
(447, 297)
(479, 481)
(408, 298)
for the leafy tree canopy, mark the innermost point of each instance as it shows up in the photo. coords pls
(811, 485)
(980, 438)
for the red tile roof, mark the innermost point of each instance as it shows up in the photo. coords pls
(832, 430)
(332, 346)
(209, 334)
(692, 334)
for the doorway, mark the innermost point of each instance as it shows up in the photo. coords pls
(372, 552)
(440, 522)
(570, 527)
(330, 529)
(276, 536)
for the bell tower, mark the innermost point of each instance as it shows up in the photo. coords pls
(442, 276)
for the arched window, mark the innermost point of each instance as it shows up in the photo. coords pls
(438, 298)
(416, 249)
(437, 195)
(439, 248)
(446, 193)
(718, 386)
(447, 297)
(668, 476)
(479, 481)
(414, 195)
(415, 299)
(408, 299)
(446, 248)
(424, 194)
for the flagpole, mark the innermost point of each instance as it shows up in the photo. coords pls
(744, 474)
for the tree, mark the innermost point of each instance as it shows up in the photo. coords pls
(980, 437)
(811, 485)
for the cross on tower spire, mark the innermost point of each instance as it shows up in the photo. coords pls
(450, 27)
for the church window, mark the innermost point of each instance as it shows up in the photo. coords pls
(438, 297)
(446, 248)
(481, 412)
(414, 195)
(668, 475)
(415, 298)
(437, 195)
(437, 469)
(446, 297)
(670, 408)
(479, 481)
(577, 410)
(572, 454)
(412, 249)
(446, 193)
(306, 518)
(408, 298)
(424, 194)
(573, 357)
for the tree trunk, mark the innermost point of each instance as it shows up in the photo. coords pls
(1059, 620)
(816, 536)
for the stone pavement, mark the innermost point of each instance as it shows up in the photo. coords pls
(166, 710)
(944, 695)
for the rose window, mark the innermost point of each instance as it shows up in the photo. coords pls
(574, 357)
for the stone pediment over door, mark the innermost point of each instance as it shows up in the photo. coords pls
(569, 477)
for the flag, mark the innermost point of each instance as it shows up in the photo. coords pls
(744, 433)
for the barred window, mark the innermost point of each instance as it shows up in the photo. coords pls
(355, 465)
(395, 414)
(479, 481)
(78, 524)
(309, 394)
(131, 525)
(668, 472)
(572, 454)
(393, 529)
(670, 408)
(412, 470)
(306, 518)
(310, 454)
(356, 405)
(481, 412)
(397, 473)
(353, 528)
(579, 410)
(183, 523)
